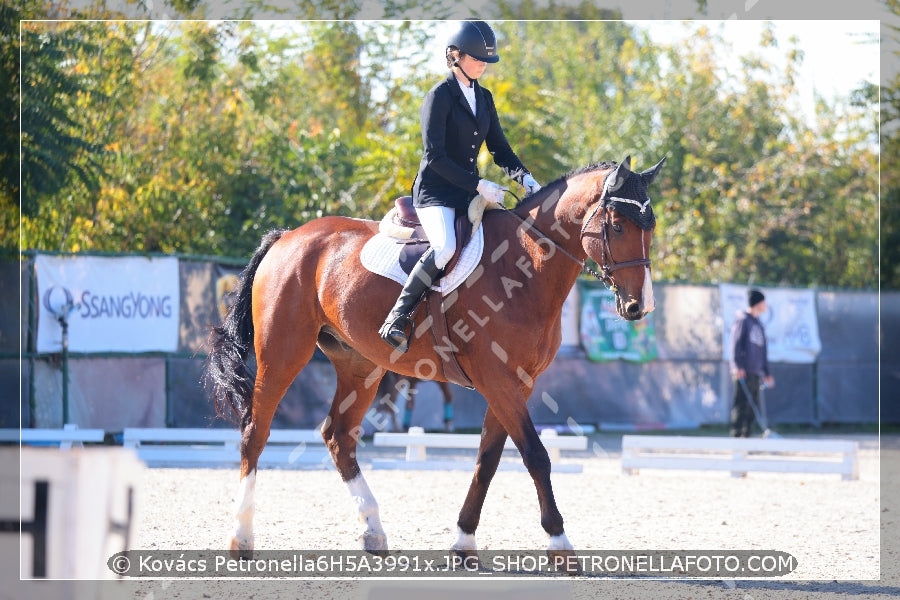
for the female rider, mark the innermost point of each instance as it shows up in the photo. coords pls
(457, 116)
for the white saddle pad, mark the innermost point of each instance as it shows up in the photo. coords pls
(381, 255)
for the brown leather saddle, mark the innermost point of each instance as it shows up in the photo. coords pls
(418, 243)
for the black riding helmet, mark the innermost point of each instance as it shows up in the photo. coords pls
(475, 38)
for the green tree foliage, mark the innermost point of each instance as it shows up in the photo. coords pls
(751, 191)
(58, 145)
(197, 136)
(9, 127)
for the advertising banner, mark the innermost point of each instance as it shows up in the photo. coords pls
(607, 336)
(112, 304)
(227, 282)
(790, 321)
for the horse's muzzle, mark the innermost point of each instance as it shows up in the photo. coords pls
(632, 311)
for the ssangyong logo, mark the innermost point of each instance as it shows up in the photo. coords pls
(59, 308)
(130, 305)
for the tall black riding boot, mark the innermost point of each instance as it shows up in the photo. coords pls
(421, 278)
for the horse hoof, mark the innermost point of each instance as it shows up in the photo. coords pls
(374, 543)
(466, 558)
(465, 546)
(565, 561)
(241, 548)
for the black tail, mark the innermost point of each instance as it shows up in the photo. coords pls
(226, 372)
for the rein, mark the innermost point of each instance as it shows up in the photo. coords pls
(605, 278)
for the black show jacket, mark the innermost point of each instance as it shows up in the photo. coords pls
(452, 137)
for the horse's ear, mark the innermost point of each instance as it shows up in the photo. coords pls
(615, 179)
(650, 174)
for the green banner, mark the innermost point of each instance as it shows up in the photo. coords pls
(607, 336)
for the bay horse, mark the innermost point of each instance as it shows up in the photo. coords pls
(307, 287)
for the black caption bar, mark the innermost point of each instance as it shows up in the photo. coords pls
(719, 564)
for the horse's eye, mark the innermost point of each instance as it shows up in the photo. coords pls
(617, 228)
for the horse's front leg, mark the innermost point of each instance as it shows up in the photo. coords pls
(341, 434)
(493, 436)
(512, 412)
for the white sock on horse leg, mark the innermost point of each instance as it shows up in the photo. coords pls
(373, 537)
(243, 510)
(465, 541)
(559, 542)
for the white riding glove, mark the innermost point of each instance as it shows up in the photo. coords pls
(531, 186)
(491, 191)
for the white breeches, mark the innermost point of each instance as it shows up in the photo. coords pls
(437, 221)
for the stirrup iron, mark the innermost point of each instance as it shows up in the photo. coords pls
(394, 332)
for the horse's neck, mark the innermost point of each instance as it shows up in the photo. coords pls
(550, 232)
(552, 222)
(555, 249)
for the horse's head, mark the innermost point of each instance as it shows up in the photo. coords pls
(616, 233)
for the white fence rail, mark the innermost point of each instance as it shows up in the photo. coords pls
(176, 446)
(68, 437)
(416, 442)
(740, 455)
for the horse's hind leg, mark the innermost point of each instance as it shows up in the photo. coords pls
(278, 363)
(448, 406)
(412, 388)
(357, 385)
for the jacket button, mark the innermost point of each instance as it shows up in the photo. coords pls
(471, 160)
(474, 133)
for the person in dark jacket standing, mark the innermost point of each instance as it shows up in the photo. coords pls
(457, 117)
(749, 363)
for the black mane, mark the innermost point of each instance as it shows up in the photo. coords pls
(579, 171)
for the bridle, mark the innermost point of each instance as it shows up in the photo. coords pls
(607, 264)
